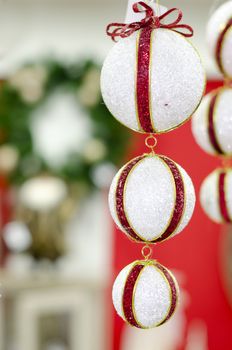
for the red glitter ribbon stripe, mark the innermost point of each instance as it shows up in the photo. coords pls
(173, 291)
(119, 199)
(180, 200)
(128, 295)
(222, 197)
(143, 80)
(219, 45)
(211, 126)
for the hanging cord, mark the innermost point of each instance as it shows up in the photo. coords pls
(146, 252)
(157, 2)
(151, 142)
(226, 162)
(158, 7)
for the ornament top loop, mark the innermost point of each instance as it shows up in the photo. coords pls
(226, 162)
(151, 20)
(151, 142)
(146, 252)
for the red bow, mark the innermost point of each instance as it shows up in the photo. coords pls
(123, 30)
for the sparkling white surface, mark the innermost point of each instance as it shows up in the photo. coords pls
(209, 197)
(222, 122)
(200, 125)
(176, 74)
(149, 198)
(190, 198)
(118, 289)
(215, 25)
(152, 299)
(228, 192)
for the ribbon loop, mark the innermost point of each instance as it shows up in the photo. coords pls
(123, 30)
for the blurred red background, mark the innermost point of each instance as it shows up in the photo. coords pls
(196, 252)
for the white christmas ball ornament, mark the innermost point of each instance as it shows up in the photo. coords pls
(212, 123)
(219, 37)
(216, 195)
(145, 294)
(151, 198)
(153, 86)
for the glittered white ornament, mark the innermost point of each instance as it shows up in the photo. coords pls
(145, 294)
(212, 123)
(174, 74)
(151, 198)
(219, 37)
(216, 195)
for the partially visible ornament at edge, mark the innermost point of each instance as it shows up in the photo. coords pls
(219, 38)
(216, 195)
(212, 123)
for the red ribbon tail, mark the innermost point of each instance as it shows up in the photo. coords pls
(187, 30)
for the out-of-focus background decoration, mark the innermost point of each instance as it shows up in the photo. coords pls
(57, 144)
(59, 149)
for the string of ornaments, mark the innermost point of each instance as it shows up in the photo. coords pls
(212, 123)
(152, 81)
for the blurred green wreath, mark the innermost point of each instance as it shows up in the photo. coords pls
(29, 89)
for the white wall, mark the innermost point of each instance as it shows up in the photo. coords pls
(71, 28)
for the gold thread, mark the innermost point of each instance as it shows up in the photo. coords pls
(218, 91)
(151, 146)
(184, 208)
(227, 171)
(222, 68)
(152, 121)
(177, 290)
(218, 172)
(211, 95)
(115, 204)
(158, 8)
(146, 252)
(187, 119)
(170, 294)
(225, 192)
(153, 264)
(175, 197)
(133, 298)
(135, 263)
(215, 116)
(136, 82)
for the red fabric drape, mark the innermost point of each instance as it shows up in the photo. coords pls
(195, 251)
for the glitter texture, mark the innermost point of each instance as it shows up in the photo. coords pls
(222, 197)
(220, 139)
(118, 289)
(221, 49)
(143, 80)
(151, 293)
(174, 291)
(219, 46)
(150, 198)
(119, 198)
(127, 299)
(180, 199)
(212, 126)
(210, 195)
(228, 191)
(177, 80)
